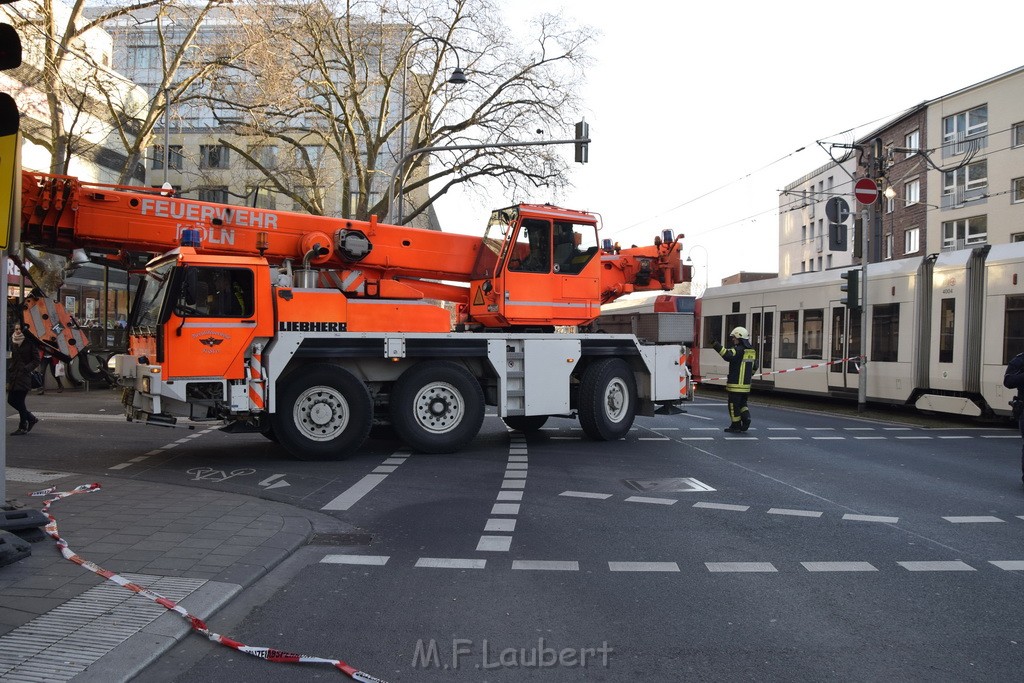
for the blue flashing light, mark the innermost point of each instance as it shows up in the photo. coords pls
(190, 238)
(667, 235)
(606, 244)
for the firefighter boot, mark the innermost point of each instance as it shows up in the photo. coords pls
(745, 422)
(734, 428)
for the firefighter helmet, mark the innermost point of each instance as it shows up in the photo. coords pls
(739, 333)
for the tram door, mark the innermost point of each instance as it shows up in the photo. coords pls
(844, 335)
(762, 336)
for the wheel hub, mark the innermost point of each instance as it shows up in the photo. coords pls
(439, 408)
(321, 413)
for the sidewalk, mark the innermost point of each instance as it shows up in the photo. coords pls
(59, 621)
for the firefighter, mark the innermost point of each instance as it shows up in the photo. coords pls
(742, 361)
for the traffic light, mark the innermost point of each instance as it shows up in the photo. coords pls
(582, 142)
(852, 289)
(10, 142)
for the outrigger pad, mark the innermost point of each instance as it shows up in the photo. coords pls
(12, 548)
(16, 520)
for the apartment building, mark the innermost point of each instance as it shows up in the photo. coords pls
(952, 178)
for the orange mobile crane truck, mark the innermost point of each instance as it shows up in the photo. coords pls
(308, 329)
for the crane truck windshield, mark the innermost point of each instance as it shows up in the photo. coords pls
(149, 301)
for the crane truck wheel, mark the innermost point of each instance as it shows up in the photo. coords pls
(323, 413)
(525, 423)
(437, 407)
(607, 400)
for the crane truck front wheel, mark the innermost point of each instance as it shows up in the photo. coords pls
(607, 399)
(437, 407)
(324, 412)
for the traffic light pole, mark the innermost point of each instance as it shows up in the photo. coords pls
(867, 219)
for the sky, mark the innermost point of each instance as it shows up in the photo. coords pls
(696, 109)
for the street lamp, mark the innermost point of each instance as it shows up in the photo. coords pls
(457, 78)
(689, 262)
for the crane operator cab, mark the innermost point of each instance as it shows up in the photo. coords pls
(542, 269)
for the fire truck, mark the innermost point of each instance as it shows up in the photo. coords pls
(311, 329)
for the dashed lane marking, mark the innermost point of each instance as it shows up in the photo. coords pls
(643, 567)
(584, 494)
(655, 501)
(722, 506)
(450, 563)
(981, 519)
(722, 567)
(498, 544)
(839, 567)
(1009, 565)
(871, 518)
(794, 513)
(547, 565)
(355, 493)
(937, 566)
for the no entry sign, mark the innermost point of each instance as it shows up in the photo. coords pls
(866, 191)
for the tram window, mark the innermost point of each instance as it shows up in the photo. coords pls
(1013, 326)
(947, 320)
(885, 333)
(788, 323)
(712, 331)
(814, 333)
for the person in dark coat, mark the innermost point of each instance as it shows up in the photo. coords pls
(1014, 379)
(24, 359)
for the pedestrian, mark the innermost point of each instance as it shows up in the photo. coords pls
(742, 359)
(1014, 379)
(24, 359)
(56, 367)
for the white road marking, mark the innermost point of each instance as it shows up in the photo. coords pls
(517, 458)
(868, 438)
(516, 466)
(794, 513)
(510, 495)
(515, 474)
(643, 567)
(821, 429)
(374, 560)
(957, 437)
(858, 429)
(501, 544)
(355, 492)
(696, 438)
(505, 509)
(828, 438)
(513, 484)
(723, 567)
(653, 438)
(500, 524)
(999, 436)
(907, 438)
(1009, 565)
(450, 563)
(656, 501)
(871, 518)
(547, 565)
(385, 469)
(785, 438)
(584, 494)
(121, 466)
(722, 506)
(839, 566)
(983, 519)
(937, 566)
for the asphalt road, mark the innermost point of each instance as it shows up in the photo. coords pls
(815, 547)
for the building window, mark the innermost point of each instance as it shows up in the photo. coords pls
(217, 194)
(964, 184)
(175, 160)
(912, 142)
(803, 231)
(912, 191)
(890, 204)
(888, 245)
(966, 125)
(958, 234)
(1017, 135)
(1018, 190)
(1017, 237)
(912, 240)
(213, 156)
(260, 198)
(264, 155)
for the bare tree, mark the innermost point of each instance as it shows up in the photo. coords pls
(88, 105)
(328, 76)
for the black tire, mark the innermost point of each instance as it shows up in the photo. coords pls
(607, 399)
(437, 407)
(525, 423)
(323, 413)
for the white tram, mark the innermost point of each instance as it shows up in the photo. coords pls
(940, 331)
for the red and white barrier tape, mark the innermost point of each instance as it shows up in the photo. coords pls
(197, 624)
(779, 372)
